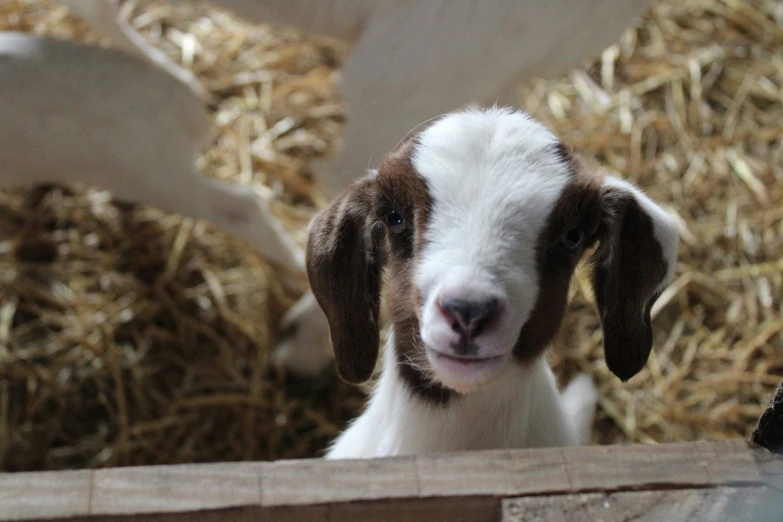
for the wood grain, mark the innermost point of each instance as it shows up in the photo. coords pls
(492, 473)
(186, 487)
(460, 486)
(297, 482)
(602, 468)
(28, 496)
(770, 467)
(466, 509)
(242, 514)
(682, 464)
(723, 504)
(729, 462)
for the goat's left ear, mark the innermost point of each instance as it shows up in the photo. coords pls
(632, 266)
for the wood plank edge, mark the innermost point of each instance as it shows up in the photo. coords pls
(759, 457)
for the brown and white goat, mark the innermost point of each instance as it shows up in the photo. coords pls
(408, 61)
(478, 223)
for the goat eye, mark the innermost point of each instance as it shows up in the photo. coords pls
(573, 238)
(395, 222)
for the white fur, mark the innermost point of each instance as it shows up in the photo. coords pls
(87, 115)
(493, 183)
(494, 177)
(104, 16)
(520, 409)
(663, 224)
(409, 61)
(579, 401)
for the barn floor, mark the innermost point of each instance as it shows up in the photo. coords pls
(128, 336)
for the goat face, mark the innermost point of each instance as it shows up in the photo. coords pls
(479, 222)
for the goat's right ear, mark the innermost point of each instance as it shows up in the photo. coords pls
(344, 262)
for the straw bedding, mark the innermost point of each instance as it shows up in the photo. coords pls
(129, 336)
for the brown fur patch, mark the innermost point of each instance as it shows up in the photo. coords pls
(629, 265)
(347, 249)
(580, 205)
(344, 260)
(628, 269)
(402, 189)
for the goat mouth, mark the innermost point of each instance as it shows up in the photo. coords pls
(463, 373)
(464, 359)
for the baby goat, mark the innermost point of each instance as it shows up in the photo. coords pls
(408, 61)
(479, 222)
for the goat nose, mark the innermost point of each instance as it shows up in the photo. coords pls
(469, 316)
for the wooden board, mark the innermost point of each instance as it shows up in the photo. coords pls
(44, 495)
(460, 486)
(749, 504)
(770, 467)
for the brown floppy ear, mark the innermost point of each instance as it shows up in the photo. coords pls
(631, 267)
(344, 262)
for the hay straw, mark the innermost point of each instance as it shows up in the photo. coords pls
(128, 336)
(690, 106)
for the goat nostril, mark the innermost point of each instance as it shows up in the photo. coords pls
(469, 316)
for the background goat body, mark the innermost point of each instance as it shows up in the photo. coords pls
(83, 114)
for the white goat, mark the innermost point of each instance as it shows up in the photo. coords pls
(409, 61)
(477, 224)
(81, 114)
